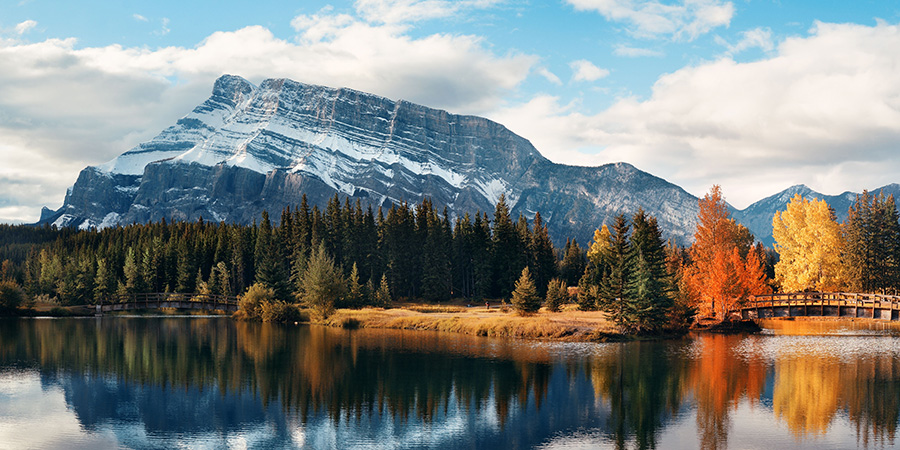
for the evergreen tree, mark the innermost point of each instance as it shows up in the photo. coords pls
(647, 296)
(270, 267)
(436, 258)
(542, 255)
(573, 263)
(557, 294)
(612, 288)
(354, 297)
(383, 294)
(322, 284)
(506, 250)
(524, 298)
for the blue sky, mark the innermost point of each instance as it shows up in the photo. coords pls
(755, 95)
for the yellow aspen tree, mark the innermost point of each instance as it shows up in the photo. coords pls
(809, 242)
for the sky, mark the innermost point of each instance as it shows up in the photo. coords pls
(752, 95)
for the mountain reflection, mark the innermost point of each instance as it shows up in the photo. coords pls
(209, 375)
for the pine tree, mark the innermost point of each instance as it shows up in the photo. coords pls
(524, 298)
(383, 294)
(506, 250)
(557, 294)
(647, 298)
(573, 263)
(612, 288)
(543, 256)
(322, 284)
(270, 267)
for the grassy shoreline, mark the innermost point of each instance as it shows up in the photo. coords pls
(567, 326)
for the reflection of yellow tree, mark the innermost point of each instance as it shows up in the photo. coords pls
(719, 379)
(807, 390)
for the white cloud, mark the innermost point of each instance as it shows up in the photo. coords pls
(760, 38)
(634, 52)
(548, 75)
(823, 110)
(584, 70)
(64, 107)
(680, 20)
(140, 18)
(25, 27)
(404, 11)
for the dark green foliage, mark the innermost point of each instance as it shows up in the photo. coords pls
(506, 250)
(11, 296)
(383, 294)
(524, 298)
(612, 287)
(573, 263)
(413, 248)
(872, 236)
(557, 294)
(541, 255)
(647, 292)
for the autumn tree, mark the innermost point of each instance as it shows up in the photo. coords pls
(809, 242)
(717, 275)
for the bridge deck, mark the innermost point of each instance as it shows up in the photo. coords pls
(157, 300)
(823, 304)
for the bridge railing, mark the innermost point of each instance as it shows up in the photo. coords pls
(822, 298)
(147, 299)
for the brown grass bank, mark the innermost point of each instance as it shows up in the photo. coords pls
(567, 325)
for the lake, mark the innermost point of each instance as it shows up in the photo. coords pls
(210, 382)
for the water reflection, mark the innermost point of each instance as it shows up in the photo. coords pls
(157, 382)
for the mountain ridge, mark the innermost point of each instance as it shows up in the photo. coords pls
(248, 148)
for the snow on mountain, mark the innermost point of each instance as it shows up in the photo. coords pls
(249, 148)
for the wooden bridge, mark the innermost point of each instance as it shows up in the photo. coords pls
(823, 304)
(157, 300)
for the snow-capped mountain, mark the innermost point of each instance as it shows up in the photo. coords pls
(249, 148)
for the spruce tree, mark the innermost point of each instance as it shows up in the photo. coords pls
(612, 288)
(647, 298)
(557, 294)
(506, 250)
(524, 298)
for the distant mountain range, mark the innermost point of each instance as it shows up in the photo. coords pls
(758, 216)
(249, 148)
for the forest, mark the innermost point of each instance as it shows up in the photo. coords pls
(348, 256)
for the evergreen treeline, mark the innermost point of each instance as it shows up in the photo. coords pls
(413, 249)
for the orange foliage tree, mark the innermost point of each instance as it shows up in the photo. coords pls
(725, 267)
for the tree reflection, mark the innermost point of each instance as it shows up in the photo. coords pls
(629, 393)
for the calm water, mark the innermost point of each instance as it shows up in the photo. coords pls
(212, 383)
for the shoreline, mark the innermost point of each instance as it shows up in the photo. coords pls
(564, 326)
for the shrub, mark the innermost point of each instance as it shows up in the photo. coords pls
(279, 312)
(250, 304)
(11, 296)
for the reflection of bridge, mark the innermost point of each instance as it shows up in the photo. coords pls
(822, 304)
(157, 300)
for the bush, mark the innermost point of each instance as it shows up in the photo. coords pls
(279, 312)
(251, 303)
(11, 296)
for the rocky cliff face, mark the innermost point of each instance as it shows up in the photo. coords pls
(251, 148)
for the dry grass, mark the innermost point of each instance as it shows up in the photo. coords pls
(568, 325)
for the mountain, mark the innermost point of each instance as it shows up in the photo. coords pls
(249, 148)
(758, 216)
